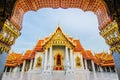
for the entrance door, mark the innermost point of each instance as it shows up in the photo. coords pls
(58, 62)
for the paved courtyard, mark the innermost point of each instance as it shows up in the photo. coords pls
(59, 76)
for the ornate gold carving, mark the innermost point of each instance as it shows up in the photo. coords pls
(78, 62)
(8, 36)
(39, 62)
(59, 38)
(112, 36)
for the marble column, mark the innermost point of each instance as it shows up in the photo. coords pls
(3, 57)
(105, 69)
(101, 70)
(23, 67)
(50, 58)
(98, 68)
(10, 69)
(6, 69)
(45, 63)
(82, 62)
(74, 65)
(93, 66)
(67, 58)
(71, 58)
(110, 69)
(31, 62)
(15, 69)
(86, 67)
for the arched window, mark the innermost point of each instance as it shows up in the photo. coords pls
(78, 62)
(39, 62)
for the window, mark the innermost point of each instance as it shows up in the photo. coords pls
(39, 62)
(78, 64)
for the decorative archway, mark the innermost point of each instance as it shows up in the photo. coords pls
(107, 26)
(96, 6)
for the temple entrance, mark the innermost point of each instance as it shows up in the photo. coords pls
(58, 62)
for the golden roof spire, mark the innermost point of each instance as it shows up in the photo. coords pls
(59, 24)
(59, 27)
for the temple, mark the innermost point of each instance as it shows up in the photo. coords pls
(59, 52)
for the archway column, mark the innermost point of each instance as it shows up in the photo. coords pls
(111, 34)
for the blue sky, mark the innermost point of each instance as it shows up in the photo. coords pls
(74, 22)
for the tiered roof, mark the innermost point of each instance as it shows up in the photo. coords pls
(105, 59)
(14, 59)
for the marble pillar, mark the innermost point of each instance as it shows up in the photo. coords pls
(71, 58)
(86, 66)
(67, 58)
(23, 67)
(93, 66)
(31, 62)
(51, 58)
(45, 63)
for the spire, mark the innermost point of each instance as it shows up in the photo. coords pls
(59, 27)
(58, 24)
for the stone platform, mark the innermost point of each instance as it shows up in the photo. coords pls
(60, 76)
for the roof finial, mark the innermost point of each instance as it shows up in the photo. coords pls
(58, 23)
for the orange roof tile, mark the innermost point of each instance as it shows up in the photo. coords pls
(104, 59)
(46, 38)
(28, 55)
(109, 64)
(96, 60)
(14, 59)
(39, 47)
(78, 46)
(87, 54)
(71, 38)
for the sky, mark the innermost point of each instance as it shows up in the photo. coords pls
(74, 22)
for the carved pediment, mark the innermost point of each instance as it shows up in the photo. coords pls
(59, 38)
